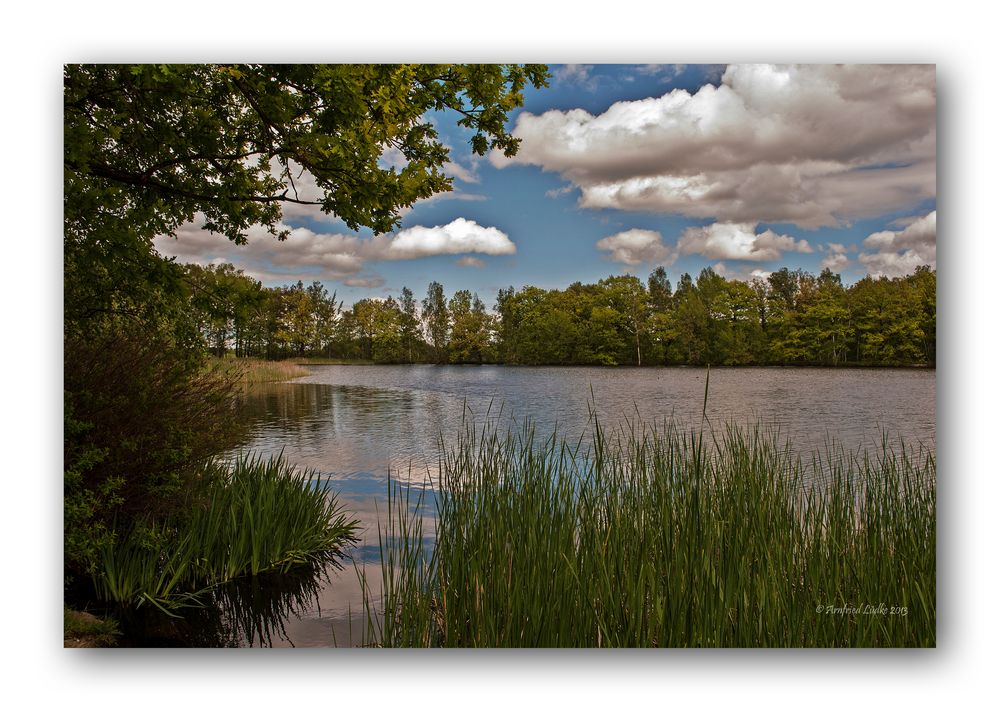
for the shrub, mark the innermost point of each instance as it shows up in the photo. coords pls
(141, 415)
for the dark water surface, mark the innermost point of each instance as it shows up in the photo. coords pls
(359, 425)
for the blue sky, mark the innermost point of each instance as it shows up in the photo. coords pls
(623, 168)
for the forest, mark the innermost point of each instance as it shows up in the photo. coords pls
(791, 318)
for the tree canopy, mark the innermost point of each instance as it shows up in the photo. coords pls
(150, 147)
(154, 144)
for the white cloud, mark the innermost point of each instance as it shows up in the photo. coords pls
(573, 73)
(898, 253)
(556, 192)
(392, 157)
(891, 264)
(738, 241)
(743, 273)
(458, 236)
(469, 261)
(364, 282)
(920, 233)
(634, 247)
(836, 257)
(457, 170)
(813, 145)
(665, 72)
(310, 255)
(835, 262)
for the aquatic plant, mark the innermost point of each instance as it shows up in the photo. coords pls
(649, 536)
(247, 517)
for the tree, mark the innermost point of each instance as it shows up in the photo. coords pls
(386, 341)
(708, 320)
(742, 339)
(472, 329)
(659, 290)
(296, 325)
(548, 332)
(215, 295)
(509, 320)
(409, 325)
(923, 284)
(784, 288)
(818, 330)
(888, 320)
(436, 320)
(162, 142)
(761, 300)
(149, 147)
(627, 296)
(325, 310)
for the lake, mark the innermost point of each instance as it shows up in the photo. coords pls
(360, 425)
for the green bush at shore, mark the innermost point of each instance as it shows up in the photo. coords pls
(653, 537)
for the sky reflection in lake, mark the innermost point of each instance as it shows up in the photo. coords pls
(360, 425)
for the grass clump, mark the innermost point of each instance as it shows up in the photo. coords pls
(653, 537)
(247, 518)
(85, 630)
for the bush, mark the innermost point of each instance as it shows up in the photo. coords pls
(141, 415)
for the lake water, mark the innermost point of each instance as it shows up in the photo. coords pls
(360, 425)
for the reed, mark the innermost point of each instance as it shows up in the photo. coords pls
(250, 371)
(649, 536)
(247, 517)
(329, 361)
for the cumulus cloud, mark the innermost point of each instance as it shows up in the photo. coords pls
(556, 192)
(634, 247)
(573, 73)
(738, 241)
(899, 252)
(814, 146)
(743, 273)
(458, 236)
(373, 282)
(457, 170)
(836, 258)
(310, 255)
(665, 72)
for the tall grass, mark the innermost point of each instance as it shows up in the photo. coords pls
(248, 517)
(250, 371)
(654, 537)
(330, 361)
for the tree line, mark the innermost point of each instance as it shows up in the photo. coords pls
(790, 318)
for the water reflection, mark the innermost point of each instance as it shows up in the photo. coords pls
(365, 429)
(252, 611)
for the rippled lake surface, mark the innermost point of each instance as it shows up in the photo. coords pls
(360, 425)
